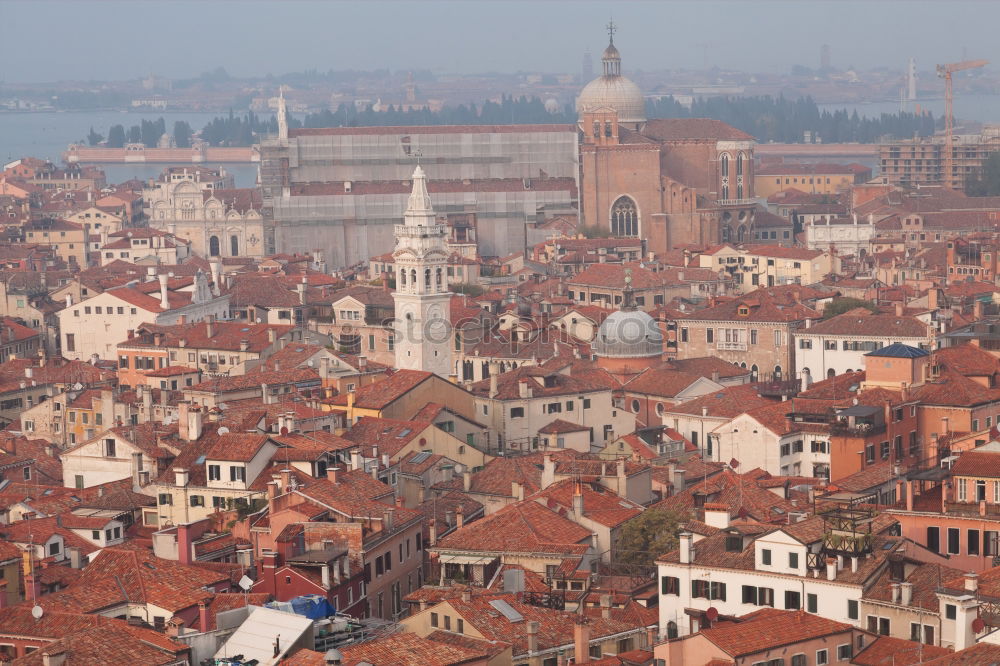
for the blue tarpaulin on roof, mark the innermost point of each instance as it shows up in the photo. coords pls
(312, 606)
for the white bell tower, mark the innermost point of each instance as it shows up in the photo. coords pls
(423, 335)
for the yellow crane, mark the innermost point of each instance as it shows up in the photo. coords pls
(945, 72)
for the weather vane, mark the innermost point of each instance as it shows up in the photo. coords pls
(418, 154)
(612, 29)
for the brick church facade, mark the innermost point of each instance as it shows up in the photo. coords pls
(673, 182)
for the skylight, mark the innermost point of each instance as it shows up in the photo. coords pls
(506, 610)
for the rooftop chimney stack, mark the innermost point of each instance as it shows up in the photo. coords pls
(686, 548)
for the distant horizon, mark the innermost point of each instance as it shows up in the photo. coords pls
(475, 37)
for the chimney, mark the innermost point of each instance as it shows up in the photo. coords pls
(301, 288)
(195, 422)
(209, 328)
(494, 384)
(184, 544)
(431, 532)
(244, 345)
(548, 471)
(271, 335)
(516, 490)
(216, 269)
(136, 470)
(717, 515)
(333, 475)
(581, 640)
(971, 582)
(180, 477)
(895, 592)
(678, 480)
(182, 419)
(906, 593)
(387, 519)
(686, 548)
(831, 568)
(932, 299)
(356, 461)
(286, 480)
(532, 629)
(147, 400)
(75, 557)
(203, 616)
(466, 480)
(577, 500)
(459, 517)
(325, 576)
(54, 655)
(606, 606)
(164, 301)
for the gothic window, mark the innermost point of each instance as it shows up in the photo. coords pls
(213, 246)
(624, 218)
(741, 233)
(726, 234)
(724, 173)
(753, 372)
(413, 278)
(234, 245)
(739, 175)
(597, 129)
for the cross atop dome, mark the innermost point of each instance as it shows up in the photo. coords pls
(612, 29)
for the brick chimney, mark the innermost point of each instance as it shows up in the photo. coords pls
(333, 475)
(581, 640)
(532, 630)
(184, 544)
(203, 615)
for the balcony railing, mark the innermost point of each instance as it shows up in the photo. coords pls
(857, 430)
(731, 346)
(736, 202)
(779, 387)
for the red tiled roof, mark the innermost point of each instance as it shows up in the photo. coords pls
(408, 649)
(384, 392)
(889, 651)
(525, 527)
(769, 629)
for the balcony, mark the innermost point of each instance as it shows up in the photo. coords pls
(736, 202)
(731, 346)
(860, 429)
(779, 388)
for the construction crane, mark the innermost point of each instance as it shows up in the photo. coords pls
(945, 72)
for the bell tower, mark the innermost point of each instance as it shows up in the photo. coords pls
(423, 335)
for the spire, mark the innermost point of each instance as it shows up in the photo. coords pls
(611, 59)
(282, 114)
(612, 29)
(628, 302)
(419, 204)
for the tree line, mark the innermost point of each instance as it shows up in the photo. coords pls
(766, 118)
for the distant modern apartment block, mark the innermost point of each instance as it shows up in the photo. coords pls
(920, 161)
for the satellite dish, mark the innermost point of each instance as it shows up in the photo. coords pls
(309, 363)
(712, 614)
(734, 463)
(284, 430)
(246, 583)
(223, 430)
(37, 612)
(78, 386)
(222, 406)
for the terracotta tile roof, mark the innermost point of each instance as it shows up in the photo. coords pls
(497, 475)
(953, 389)
(967, 359)
(225, 335)
(406, 649)
(612, 276)
(692, 129)
(739, 492)
(599, 504)
(978, 654)
(889, 651)
(663, 382)
(237, 447)
(558, 426)
(112, 643)
(555, 627)
(765, 305)
(706, 366)
(863, 323)
(525, 527)
(925, 577)
(388, 435)
(549, 379)
(256, 378)
(769, 629)
(267, 291)
(384, 392)
(489, 648)
(726, 403)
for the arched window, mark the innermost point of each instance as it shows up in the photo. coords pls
(726, 234)
(739, 164)
(213, 246)
(624, 218)
(741, 233)
(234, 245)
(427, 278)
(413, 278)
(439, 285)
(671, 629)
(402, 278)
(777, 373)
(724, 175)
(753, 372)
(831, 373)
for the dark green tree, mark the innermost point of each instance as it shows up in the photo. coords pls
(648, 536)
(841, 305)
(182, 134)
(116, 136)
(93, 138)
(987, 184)
(135, 134)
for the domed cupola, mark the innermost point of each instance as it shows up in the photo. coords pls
(612, 90)
(629, 333)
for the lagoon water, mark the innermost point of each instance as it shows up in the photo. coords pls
(46, 134)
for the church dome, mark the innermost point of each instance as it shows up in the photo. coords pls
(613, 90)
(628, 334)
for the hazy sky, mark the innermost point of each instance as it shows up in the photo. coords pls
(45, 40)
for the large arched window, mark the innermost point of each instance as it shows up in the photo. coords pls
(234, 245)
(624, 218)
(740, 159)
(213, 246)
(724, 174)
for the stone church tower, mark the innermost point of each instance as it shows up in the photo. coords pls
(423, 335)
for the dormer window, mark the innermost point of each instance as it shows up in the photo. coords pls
(743, 311)
(734, 543)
